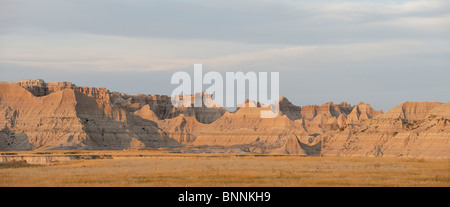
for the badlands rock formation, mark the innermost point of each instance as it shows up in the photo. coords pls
(411, 129)
(38, 115)
(70, 118)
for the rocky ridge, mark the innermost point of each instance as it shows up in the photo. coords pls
(37, 115)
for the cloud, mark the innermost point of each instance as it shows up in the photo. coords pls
(330, 48)
(112, 53)
(417, 6)
(260, 22)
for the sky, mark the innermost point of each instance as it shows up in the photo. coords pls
(379, 52)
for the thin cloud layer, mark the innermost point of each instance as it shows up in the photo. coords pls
(290, 36)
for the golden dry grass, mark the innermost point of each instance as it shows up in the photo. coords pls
(166, 169)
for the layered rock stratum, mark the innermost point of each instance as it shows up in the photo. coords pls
(35, 115)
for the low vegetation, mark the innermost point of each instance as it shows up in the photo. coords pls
(169, 169)
(15, 164)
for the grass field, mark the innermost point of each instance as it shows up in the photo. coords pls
(166, 169)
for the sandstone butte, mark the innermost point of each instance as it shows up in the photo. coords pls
(35, 115)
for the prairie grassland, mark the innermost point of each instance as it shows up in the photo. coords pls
(134, 169)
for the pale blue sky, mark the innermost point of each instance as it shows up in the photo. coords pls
(379, 52)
